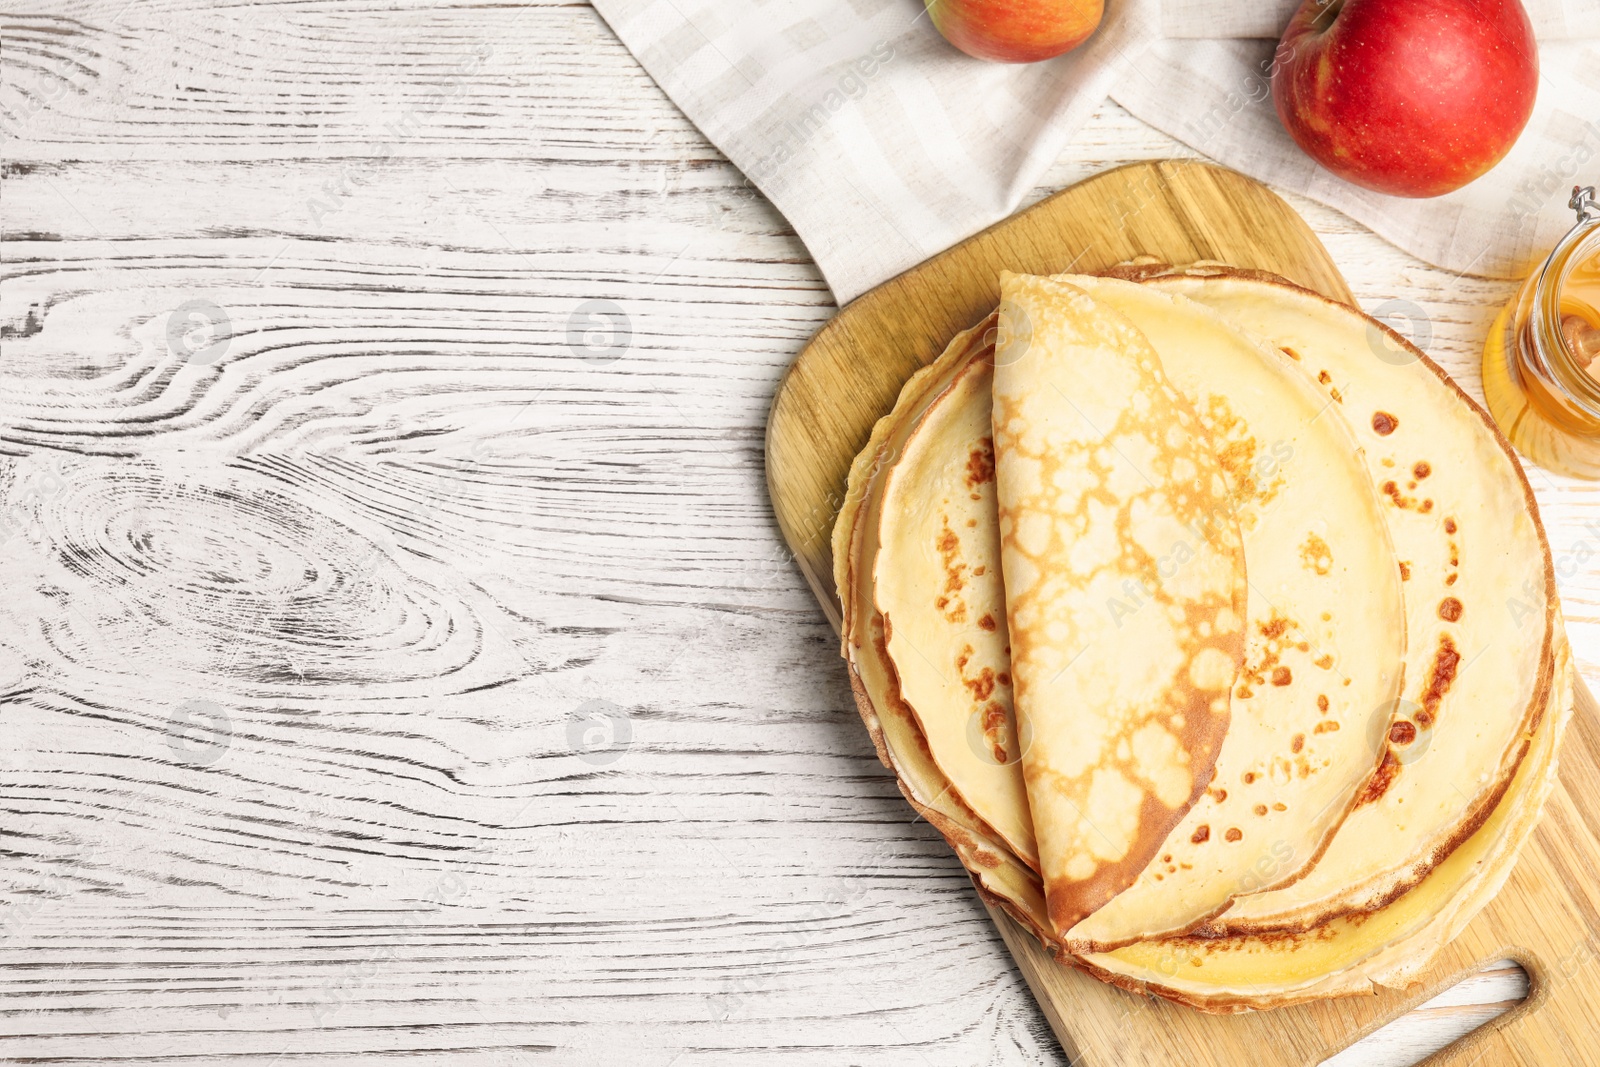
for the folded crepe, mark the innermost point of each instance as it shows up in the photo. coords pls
(1108, 486)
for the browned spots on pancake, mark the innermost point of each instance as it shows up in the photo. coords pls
(1443, 672)
(1238, 455)
(987, 623)
(1402, 733)
(1380, 781)
(1280, 806)
(1234, 833)
(1315, 555)
(1260, 809)
(1421, 470)
(1249, 777)
(1201, 835)
(1291, 353)
(1383, 423)
(1325, 661)
(949, 545)
(1449, 526)
(1324, 377)
(1326, 726)
(1276, 630)
(1450, 609)
(982, 686)
(992, 716)
(1218, 794)
(1322, 703)
(1400, 500)
(995, 722)
(1298, 743)
(1450, 579)
(980, 464)
(1405, 571)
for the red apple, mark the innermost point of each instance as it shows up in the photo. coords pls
(1016, 31)
(1408, 97)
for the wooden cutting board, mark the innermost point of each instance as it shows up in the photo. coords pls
(1548, 916)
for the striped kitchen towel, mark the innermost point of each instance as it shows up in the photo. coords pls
(883, 145)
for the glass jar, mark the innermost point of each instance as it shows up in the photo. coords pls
(1541, 363)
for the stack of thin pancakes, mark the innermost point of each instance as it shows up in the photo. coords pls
(1213, 626)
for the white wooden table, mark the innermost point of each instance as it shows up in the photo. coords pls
(397, 653)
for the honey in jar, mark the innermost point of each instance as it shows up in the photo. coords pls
(1580, 315)
(1541, 364)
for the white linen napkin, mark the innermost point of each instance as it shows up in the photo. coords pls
(883, 145)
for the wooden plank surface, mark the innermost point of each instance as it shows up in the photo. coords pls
(469, 877)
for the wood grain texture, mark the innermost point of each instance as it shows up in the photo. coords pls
(730, 877)
(1178, 212)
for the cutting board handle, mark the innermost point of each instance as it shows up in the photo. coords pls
(1547, 1027)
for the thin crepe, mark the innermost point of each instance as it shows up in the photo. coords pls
(1326, 629)
(936, 582)
(1481, 608)
(900, 744)
(1106, 481)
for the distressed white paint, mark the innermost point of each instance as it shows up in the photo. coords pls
(397, 653)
